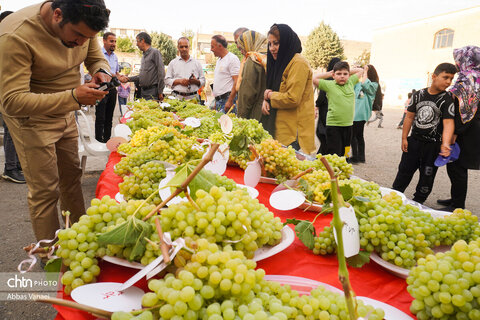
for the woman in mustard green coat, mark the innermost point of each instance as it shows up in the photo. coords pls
(288, 109)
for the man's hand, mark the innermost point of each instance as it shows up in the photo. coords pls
(265, 108)
(160, 96)
(405, 145)
(266, 93)
(122, 78)
(100, 77)
(445, 150)
(193, 80)
(87, 94)
(228, 105)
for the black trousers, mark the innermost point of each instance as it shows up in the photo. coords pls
(104, 115)
(421, 155)
(337, 139)
(358, 142)
(458, 175)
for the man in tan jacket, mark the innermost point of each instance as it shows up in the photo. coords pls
(41, 49)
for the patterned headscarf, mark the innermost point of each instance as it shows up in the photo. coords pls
(467, 86)
(255, 46)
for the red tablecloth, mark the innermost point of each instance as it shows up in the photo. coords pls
(370, 280)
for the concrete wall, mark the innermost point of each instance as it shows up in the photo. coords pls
(404, 55)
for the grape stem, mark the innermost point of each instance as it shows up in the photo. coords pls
(163, 246)
(183, 186)
(337, 201)
(194, 204)
(99, 313)
(301, 174)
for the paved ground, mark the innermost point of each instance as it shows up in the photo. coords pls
(383, 155)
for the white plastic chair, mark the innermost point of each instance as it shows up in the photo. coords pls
(90, 147)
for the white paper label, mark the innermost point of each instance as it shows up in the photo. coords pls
(350, 232)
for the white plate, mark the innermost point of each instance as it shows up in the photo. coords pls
(385, 191)
(288, 236)
(391, 313)
(103, 295)
(390, 267)
(286, 199)
(251, 191)
(300, 284)
(119, 197)
(123, 262)
(438, 213)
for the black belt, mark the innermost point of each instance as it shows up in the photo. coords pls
(223, 96)
(185, 94)
(149, 87)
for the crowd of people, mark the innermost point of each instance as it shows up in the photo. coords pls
(42, 47)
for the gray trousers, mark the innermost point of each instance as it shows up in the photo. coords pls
(11, 158)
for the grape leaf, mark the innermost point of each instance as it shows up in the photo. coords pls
(131, 232)
(306, 233)
(362, 199)
(292, 221)
(204, 180)
(347, 192)
(357, 261)
(238, 143)
(167, 137)
(53, 265)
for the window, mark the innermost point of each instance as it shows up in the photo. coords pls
(443, 39)
(123, 32)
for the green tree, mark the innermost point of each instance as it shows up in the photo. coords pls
(188, 33)
(322, 45)
(232, 47)
(125, 45)
(363, 59)
(167, 47)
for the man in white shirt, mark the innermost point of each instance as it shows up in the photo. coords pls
(225, 75)
(185, 74)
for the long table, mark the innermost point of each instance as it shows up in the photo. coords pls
(371, 280)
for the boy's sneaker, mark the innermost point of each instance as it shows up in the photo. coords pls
(14, 176)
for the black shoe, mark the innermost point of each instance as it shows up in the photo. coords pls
(14, 176)
(418, 200)
(380, 126)
(444, 202)
(449, 208)
(352, 160)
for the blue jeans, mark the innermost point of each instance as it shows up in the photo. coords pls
(121, 101)
(220, 105)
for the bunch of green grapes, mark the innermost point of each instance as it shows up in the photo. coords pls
(208, 126)
(140, 156)
(280, 163)
(447, 285)
(250, 128)
(402, 234)
(324, 242)
(78, 246)
(222, 284)
(225, 217)
(143, 182)
(194, 110)
(317, 182)
(340, 167)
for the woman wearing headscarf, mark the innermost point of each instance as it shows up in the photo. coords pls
(322, 105)
(251, 81)
(466, 91)
(288, 109)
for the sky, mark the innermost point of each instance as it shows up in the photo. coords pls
(351, 19)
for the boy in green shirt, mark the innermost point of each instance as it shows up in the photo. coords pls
(341, 104)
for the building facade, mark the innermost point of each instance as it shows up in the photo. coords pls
(405, 55)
